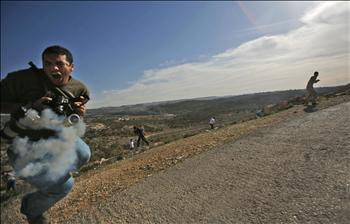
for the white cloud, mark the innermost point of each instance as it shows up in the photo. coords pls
(324, 13)
(264, 64)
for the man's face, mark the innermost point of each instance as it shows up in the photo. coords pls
(57, 68)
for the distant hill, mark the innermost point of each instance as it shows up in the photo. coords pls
(210, 105)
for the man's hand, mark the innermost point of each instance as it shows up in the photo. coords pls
(39, 103)
(79, 106)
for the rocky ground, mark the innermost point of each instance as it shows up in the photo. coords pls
(289, 167)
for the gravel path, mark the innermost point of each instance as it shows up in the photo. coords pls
(289, 167)
(293, 172)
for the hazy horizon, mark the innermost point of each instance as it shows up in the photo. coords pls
(199, 98)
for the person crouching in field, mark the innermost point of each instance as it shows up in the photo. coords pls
(212, 122)
(131, 144)
(10, 180)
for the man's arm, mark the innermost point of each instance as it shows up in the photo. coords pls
(7, 108)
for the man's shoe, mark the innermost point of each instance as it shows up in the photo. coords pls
(41, 219)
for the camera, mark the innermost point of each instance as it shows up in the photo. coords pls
(60, 105)
(18, 124)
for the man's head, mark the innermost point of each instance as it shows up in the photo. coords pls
(316, 74)
(57, 64)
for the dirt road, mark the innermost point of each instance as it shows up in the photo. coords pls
(296, 170)
(293, 172)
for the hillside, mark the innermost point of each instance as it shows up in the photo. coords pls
(111, 184)
(108, 135)
(108, 132)
(294, 171)
(210, 104)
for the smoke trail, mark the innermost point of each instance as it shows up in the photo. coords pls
(52, 157)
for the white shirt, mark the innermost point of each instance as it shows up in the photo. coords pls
(212, 121)
(132, 145)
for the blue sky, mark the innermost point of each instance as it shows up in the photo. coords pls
(136, 52)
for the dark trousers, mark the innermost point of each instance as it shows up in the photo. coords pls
(11, 184)
(143, 138)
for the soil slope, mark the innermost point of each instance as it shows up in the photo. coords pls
(290, 167)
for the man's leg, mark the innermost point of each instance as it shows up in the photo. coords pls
(307, 98)
(83, 153)
(314, 97)
(144, 139)
(36, 203)
(11, 184)
(138, 141)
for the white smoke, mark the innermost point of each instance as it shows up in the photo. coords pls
(56, 155)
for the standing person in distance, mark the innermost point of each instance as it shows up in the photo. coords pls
(311, 93)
